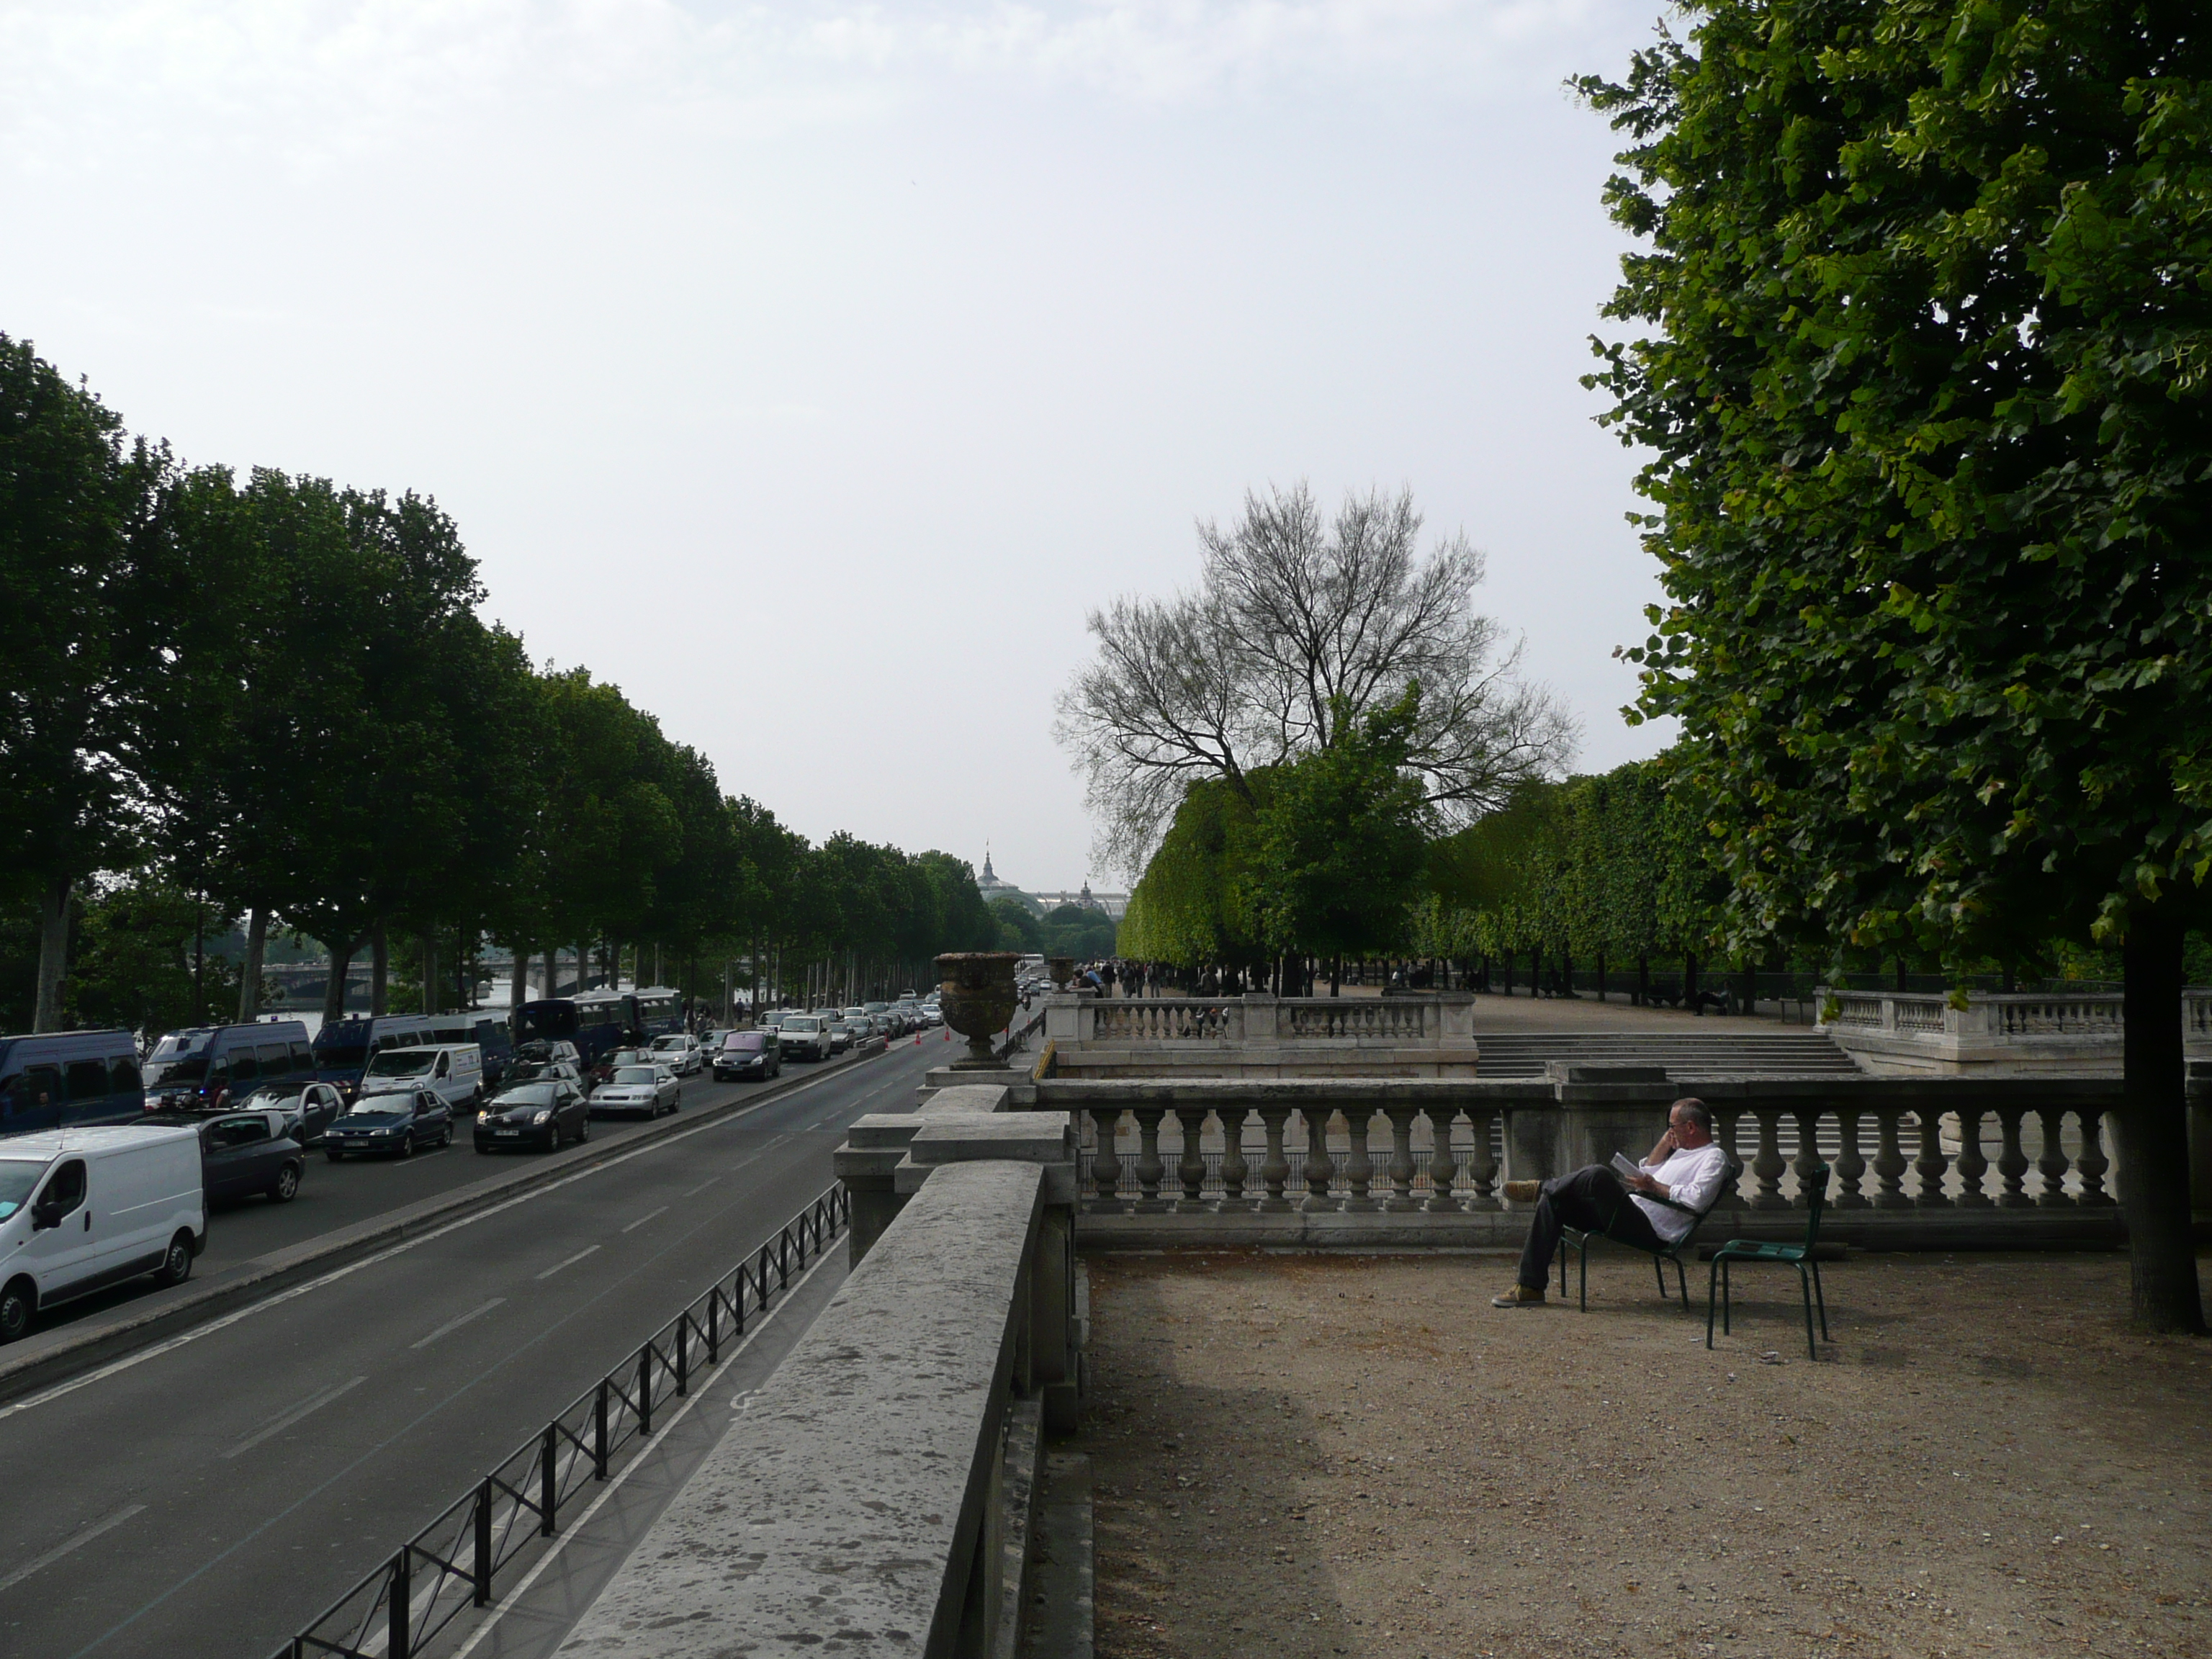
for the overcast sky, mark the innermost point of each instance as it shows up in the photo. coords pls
(808, 371)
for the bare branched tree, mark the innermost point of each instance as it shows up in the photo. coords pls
(1297, 626)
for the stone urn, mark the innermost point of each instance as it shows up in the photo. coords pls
(1062, 969)
(977, 997)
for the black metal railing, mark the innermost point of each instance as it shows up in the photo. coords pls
(455, 1562)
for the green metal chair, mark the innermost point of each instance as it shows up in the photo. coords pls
(1577, 1240)
(1800, 1256)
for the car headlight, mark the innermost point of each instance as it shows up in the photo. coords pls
(541, 1115)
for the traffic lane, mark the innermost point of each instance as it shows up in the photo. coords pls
(323, 1430)
(336, 1195)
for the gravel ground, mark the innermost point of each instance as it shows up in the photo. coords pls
(1322, 1455)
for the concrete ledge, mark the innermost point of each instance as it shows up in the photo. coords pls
(49, 1356)
(1505, 1230)
(844, 1508)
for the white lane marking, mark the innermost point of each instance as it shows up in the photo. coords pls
(703, 1185)
(298, 1411)
(647, 1217)
(570, 1262)
(570, 1529)
(451, 1325)
(279, 1297)
(83, 1537)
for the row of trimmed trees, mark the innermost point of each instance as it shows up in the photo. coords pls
(272, 699)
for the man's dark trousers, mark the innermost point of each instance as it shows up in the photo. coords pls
(1592, 1199)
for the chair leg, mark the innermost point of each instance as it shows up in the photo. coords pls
(1681, 1284)
(1727, 1329)
(1805, 1288)
(1820, 1301)
(1712, 1294)
(1565, 1245)
(1585, 1261)
(1659, 1272)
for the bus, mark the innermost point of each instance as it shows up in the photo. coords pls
(597, 1022)
(659, 1010)
(60, 1079)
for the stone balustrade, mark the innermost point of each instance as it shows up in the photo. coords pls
(1941, 1161)
(2074, 1032)
(875, 1494)
(1258, 1035)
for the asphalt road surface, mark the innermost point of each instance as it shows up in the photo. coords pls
(208, 1497)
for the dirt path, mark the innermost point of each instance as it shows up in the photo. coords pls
(1326, 1455)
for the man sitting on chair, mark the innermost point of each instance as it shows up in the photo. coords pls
(1680, 1177)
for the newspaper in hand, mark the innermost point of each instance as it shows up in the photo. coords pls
(1627, 1167)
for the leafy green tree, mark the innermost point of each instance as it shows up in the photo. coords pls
(1926, 405)
(73, 667)
(1070, 930)
(1018, 927)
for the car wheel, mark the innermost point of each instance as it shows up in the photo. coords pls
(447, 1139)
(177, 1263)
(332, 1154)
(584, 1132)
(16, 1310)
(286, 1187)
(406, 1146)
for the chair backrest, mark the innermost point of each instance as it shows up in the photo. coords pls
(1722, 1193)
(1813, 1184)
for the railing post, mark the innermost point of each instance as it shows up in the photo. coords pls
(600, 1432)
(483, 1574)
(549, 1484)
(737, 1304)
(683, 1355)
(645, 1390)
(714, 1325)
(398, 1601)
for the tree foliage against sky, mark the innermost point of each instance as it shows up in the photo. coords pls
(1299, 628)
(1926, 403)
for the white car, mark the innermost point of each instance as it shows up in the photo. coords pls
(648, 1091)
(806, 1036)
(679, 1052)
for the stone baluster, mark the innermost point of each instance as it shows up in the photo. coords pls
(1932, 1163)
(1809, 1154)
(1150, 1169)
(2053, 1164)
(1402, 1157)
(1358, 1167)
(1768, 1165)
(1233, 1169)
(1889, 1163)
(1320, 1169)
(2092, 1164)
(1972, 1164)
(1443, 1166)
(1190, 1168)
(1482, 1162)
(1724, 1128)
(2012, 1162)
(1106, 1162)
(1275, 1168)
(1850, 1162)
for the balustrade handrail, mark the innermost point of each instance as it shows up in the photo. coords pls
(390, 1614)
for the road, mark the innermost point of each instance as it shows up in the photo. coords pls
(210, 1495)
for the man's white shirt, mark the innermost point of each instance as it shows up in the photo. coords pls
(1690, 1178)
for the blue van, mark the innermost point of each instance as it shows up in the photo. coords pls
(209, 1067)
(59, 1079)
(343, 1050)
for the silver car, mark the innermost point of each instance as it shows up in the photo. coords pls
(679, 1052)
(648, 1090)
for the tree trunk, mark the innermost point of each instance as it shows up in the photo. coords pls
(341, 960)
(1643, 981)
(1567, 973)
(518, 982)
(428, 974)
(249, 978)
(380, 969)
(199, 958)
(1690, 985)
(1600, 977)
(2153, 1129)
(1901, 970)
(1508, 956)
(53, 955)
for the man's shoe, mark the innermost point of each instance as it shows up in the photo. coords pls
(1525, 1192)
(1521, 1296)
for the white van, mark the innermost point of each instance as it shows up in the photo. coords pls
(452, 1071)
(82, 1209)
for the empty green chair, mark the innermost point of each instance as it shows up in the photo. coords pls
(1575, 1239)
(1800, 1256)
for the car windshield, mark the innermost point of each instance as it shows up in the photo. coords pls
(802, 1022)
(385, 1106)
(179, 1059)
(522, 1099)
(400, 1062)
(748, 1042)
(662, 1045)
(275, 1096)
(17, 1176)
(634, 1074)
